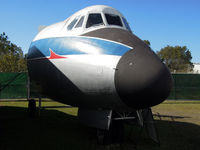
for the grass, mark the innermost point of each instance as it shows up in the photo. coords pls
(59, 128)
(186, 111)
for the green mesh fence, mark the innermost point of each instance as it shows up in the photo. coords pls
(186, 86)
(14, 85)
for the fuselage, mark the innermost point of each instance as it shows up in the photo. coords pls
(93, 60)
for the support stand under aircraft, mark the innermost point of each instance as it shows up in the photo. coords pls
(109, 124)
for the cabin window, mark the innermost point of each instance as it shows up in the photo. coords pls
(113, 20)
(71, 25)
(126, 24)
(94, 20)
(80, 22)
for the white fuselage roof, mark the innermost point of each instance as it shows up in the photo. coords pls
(60, 29)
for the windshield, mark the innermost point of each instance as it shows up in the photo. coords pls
(113, 20)
(126, 24)
(80, 22)
(71, 25)
(94, 20)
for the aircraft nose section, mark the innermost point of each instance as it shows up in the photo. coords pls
(141, 79)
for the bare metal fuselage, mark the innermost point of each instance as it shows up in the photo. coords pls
(98, 71)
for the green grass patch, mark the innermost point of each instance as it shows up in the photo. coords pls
(59, 128)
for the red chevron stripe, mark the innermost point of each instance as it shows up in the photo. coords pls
(53, 55)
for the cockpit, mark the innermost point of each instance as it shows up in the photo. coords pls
(86, 20)
(96, 18)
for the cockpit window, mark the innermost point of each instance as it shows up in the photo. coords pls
(71, 25)
(113, 19)
(94, 20)
(80, 22)
(126, 24)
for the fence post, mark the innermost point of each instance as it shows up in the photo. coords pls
(174, 84)
(28, 87)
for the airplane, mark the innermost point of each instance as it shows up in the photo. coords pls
(93, 61)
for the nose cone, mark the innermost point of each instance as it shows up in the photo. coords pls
(141, 79)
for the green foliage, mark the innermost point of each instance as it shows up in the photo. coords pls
(11, 56)
(176, 58)
(147, 42)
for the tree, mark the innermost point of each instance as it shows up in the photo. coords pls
(177, 58)
(147, 42)
(11, 56)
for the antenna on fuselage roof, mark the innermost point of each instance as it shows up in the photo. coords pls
(41, 27)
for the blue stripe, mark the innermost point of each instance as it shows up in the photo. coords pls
(75, 45)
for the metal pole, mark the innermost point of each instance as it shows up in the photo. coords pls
(40, 103)
(175, 86)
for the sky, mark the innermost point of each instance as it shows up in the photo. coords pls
(162, 22)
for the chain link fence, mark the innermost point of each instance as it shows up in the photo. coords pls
(14, 86)
(186, 87)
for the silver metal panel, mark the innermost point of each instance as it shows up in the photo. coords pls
(149, 124)
(95, 118)
(94, 76)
